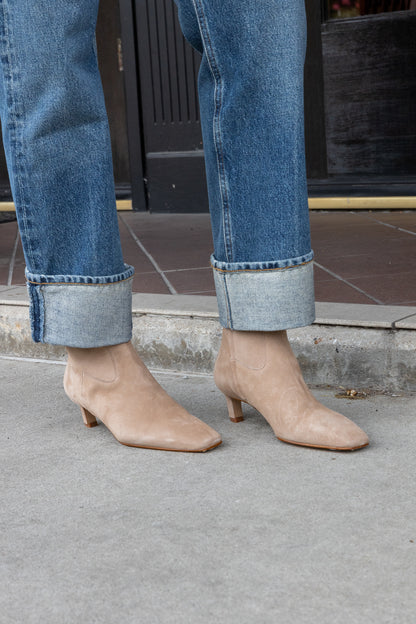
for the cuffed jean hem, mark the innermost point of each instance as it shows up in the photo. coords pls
(265, 296)
(81, 311)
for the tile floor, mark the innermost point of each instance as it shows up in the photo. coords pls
(360, 257)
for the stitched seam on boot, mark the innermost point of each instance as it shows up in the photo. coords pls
(105, 381)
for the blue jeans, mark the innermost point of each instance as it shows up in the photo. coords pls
(57, 144)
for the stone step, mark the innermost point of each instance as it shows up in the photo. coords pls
(349, 345)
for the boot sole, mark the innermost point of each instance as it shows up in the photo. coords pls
(160, 448)
(157, 448)
(91, 421)
(238, 417)
(322, 446)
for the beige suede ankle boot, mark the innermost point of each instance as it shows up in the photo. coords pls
(260, 368)
(113, 384)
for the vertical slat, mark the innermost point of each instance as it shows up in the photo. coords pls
(172, 62)
(163, 60)
(315, 137)
(154, 56)
(168, 78)
(133, 110)
(196, 61)
(181, 89)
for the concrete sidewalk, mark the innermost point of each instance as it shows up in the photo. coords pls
(255, 531)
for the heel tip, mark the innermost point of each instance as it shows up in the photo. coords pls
(237, 419)
(90, 425)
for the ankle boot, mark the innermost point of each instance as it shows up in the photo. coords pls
(260, 368)
(113, 384)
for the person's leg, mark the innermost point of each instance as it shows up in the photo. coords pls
(58, 150)
(251, 101)
(57, 144)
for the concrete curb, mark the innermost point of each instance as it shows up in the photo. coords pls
(349, 345)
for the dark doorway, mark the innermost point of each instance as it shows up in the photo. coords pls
(360, 87)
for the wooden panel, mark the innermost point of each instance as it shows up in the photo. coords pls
(177, 182)
(168, 74)
(168, 68)
(370, 94)
(315, 140)
(133, 110)
(108, 45)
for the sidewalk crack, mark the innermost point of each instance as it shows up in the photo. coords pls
(149, 256)
(341, 279)
(393, 325)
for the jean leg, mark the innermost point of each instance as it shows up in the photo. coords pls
(251, 100)
(58, 151)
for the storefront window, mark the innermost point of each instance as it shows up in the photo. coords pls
(355, 8)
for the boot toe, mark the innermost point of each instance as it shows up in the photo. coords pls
(200, 437)
(335, 431)
(182, 432)
(354, 437)
(324, 428)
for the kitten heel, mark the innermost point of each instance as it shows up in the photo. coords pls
(88, 418)
(235, 411)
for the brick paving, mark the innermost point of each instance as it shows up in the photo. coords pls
(360, 257)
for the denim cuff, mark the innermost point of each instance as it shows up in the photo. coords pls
(81, 311)
(265, 296)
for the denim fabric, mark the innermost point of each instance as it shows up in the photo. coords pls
(81, 310)
(276, 296)
(58, 150)
(251, 100)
